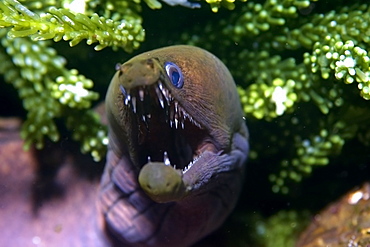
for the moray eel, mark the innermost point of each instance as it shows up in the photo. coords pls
(177, 148)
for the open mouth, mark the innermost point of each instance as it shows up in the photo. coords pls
(166, 131)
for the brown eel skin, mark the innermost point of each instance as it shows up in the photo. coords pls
(174, 168)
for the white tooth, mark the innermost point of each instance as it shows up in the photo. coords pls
(182, 123)
(166, 159)
(171, 123)
(176, 106)
(176, 122)
(165, 93)
(134, 104)
(123, 91)
(149, 159)
(148, 116)
(128, 99)
(141, 94)
(194, 122)
(143, 117)
(181, 113)
(160, 97)
(161, 102)
(191, 163)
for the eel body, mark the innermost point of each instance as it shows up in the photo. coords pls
(177, 147)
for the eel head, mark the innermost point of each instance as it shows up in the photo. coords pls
(170, 111)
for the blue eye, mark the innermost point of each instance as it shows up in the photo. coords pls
(175, 74)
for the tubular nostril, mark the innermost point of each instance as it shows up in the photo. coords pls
(150, 63)
(125, 67)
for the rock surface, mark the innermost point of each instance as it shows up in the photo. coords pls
(345, 223)
(46, 198)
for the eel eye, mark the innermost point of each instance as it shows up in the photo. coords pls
(175, 74)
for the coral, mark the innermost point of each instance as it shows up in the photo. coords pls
(184, 3)
(256, 17)
(294, 66)
(50, 91)
(279, 230)
(60, 24)
(216, 4)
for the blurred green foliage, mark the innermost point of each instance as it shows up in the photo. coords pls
(303, 70)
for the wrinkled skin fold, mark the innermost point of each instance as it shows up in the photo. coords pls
(177, 148)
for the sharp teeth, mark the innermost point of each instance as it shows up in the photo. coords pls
(180, 112)
(127, 99)
(175, 114)
(133, 103)
(184, 114)
(161, 102)
(170, 114)
(187, 167)
(149, 159)
(176, 106)
(198, 125)
(123, 90)
(192, 120)
(166, 159)
(160, 97)
(141, 94)
(191, 163)
(165, 93)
